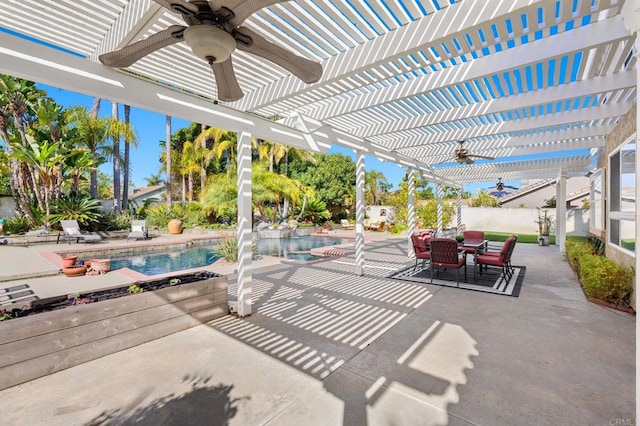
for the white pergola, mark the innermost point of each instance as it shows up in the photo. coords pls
(538, 84)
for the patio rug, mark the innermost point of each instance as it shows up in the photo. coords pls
(487, 282)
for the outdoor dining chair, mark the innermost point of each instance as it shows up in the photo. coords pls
(138, 230)
(421, 247)
(71, 229)
(472, 236)
(501, 259)
(445, 255)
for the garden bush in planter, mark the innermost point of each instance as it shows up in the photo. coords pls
(601, 277)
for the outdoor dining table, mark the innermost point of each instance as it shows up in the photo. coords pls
(474, 247)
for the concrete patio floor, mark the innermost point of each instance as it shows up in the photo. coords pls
(325, 347)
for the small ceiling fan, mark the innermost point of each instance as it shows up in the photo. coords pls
(213, 32)
(462, 155)
(500, 188)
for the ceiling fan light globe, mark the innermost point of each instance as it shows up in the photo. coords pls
(210, 43)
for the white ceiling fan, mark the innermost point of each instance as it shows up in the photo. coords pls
(213, 32)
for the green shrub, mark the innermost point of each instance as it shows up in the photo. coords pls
(193, 215)
(227, 249)
(574, 249)
(605, 279)
(16, 225)
(398, 228)
(115, 221)
(159, 216)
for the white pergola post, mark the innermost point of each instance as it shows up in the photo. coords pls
(561, 210)
(245, 217)
(459, 212)
(439, 211)
(360, 169)
(411, 211)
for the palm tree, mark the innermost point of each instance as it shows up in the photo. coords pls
(116, 159)
(189, 164)
(168, 159)
(127, 159)
(93, 133)
(217, 136)
(155, 179)
(373, 181)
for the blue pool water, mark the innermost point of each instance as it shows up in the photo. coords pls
(197, 257)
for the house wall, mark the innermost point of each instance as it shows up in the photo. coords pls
(537, 198)
(381, 213)
(625, 128)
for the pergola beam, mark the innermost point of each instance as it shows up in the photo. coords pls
(581, 39)
(485, 145)
(36, 62)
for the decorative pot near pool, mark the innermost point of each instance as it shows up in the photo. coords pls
(175, 226)
(101, 266)
(75, 270)
(69, 261)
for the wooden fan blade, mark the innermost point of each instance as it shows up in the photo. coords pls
(228, 88)
(306, 70)
(179, 6)
(129, 54)
(482, 156)
(242, 9)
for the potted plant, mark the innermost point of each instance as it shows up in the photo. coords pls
(544, 226)
(459, 238)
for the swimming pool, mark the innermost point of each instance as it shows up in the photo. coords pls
(296, 248)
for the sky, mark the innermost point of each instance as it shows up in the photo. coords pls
(150, 128)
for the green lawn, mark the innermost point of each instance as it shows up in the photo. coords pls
(522, 238)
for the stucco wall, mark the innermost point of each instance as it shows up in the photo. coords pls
(7, 207)
(520, 220)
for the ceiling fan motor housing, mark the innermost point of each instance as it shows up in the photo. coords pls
(210, 43)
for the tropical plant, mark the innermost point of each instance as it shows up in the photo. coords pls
(18, 224)
(85, 210)
(227, 249)
(315, 211)
(544, 221)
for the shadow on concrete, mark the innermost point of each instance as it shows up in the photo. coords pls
(354, 333)
(203, 404)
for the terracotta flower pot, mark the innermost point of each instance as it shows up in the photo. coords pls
(175, 226)
(69, 261)
(75, 271)
(101, 265)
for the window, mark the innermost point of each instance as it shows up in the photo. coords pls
(596, 200)
(622, 196)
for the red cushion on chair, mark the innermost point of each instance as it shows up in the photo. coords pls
(460, 263)
(484, 259)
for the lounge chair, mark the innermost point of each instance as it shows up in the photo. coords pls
(372, 226)
(344, 224)
(71, 229)
(138, 230)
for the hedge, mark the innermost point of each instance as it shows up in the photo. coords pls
(601, 277)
